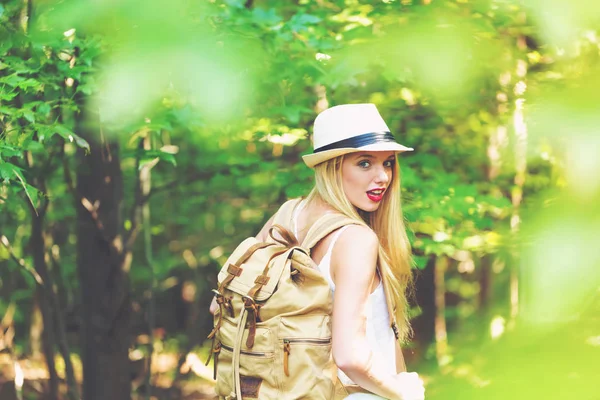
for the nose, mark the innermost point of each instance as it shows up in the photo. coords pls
(382, 176)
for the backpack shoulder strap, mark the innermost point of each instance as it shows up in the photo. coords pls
(283, 216)
(324, 226)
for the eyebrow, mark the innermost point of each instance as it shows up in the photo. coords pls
(370, 156)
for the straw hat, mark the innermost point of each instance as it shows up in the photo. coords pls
(350, 128)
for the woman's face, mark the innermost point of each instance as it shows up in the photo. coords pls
(366, 177)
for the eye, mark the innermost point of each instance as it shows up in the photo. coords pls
(364, 164)
(389, 163)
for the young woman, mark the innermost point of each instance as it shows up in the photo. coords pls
(357, 174)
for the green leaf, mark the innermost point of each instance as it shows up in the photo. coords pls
(29, 116)
(292, 113)
(82, 143)
(43, 108)
(30, 191)
(8, 110)
(89, 54)
(149, 156)
(299, 21)
(12, 80)
(71, 136)
(420, 261)
(6, 171)
(10, 172)
(34, 146)
(8, 96)
(151, 161)
(10, 151)
(87, 88)
(31, 84)
(266, 17)
(235, 3)
(170, 158)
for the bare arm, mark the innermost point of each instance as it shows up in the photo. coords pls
(400, 365)
(213, 306)
(353, 270)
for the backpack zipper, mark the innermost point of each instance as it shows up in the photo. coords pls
(287, 349)
(247, 353)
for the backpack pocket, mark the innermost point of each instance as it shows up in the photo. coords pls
(256, 374)
(257, 377)
(307, 366)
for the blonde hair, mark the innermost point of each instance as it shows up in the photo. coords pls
(388, 224)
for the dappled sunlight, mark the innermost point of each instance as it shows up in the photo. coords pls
(431, 47)
(159, 50)
(593, 341)
(560, 267)
(162, 133)
(195, 365)
(134, 82)
(497, 327)
(561, 22)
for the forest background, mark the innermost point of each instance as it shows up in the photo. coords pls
(141, 141)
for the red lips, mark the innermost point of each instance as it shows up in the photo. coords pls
(376, 194)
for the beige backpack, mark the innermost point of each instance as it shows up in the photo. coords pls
(272, 332)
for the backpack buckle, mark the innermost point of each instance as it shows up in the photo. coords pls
(224, 301)
(249, 303)
(253, 316)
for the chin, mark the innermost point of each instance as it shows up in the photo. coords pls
(369, 207)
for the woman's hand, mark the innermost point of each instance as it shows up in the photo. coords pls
(409, 386)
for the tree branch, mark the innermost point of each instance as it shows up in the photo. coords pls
(68, 177)
(200, 176)
(21, 262)
(138, 202)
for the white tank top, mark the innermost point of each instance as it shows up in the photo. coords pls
(379, 333)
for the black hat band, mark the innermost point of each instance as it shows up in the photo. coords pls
(359, 141)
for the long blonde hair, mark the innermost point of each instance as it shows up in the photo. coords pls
(388, 224)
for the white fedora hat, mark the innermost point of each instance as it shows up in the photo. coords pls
(350, 128)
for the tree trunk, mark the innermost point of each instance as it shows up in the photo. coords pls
(424, 325)
(485, 283)
(496, 148)
(441, 336)
(36, 327)
(43, 299)
(104, 282)
(145, 183)
(520, 149)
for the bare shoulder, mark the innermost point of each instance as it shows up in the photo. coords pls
(357, 238)
(356, 248)
(354, 258)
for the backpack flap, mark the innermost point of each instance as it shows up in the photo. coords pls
(258, 278)
(247, 275)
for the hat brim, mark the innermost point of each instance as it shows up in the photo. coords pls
(316, 158)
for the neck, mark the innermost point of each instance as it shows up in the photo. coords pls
(318, 205)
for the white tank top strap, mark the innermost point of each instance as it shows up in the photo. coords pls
(325, 264)
(334, 239)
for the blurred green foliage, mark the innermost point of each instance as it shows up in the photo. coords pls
(226, 91)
